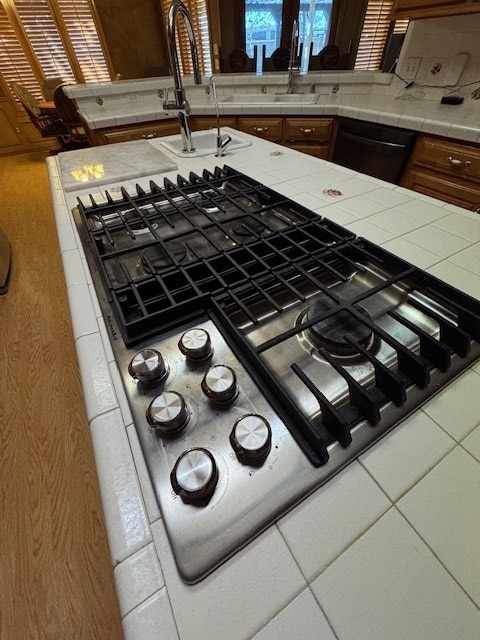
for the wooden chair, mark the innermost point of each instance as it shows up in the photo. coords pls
(68, 113)
(49, 86)
(48, 124)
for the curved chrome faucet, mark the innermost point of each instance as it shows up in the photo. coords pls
(222, 141)
(181, 105)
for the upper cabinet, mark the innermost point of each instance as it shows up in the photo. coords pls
(432, 8)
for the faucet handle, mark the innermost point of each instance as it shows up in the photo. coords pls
(222, 143)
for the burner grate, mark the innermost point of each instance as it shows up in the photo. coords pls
(225, 243)
(219, 234)
(423, 324)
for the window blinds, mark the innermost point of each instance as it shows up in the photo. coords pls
(376, 29)
(198, 13)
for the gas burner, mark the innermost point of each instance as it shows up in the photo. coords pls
(137, 225)
(333, 332)
(248, 230)
(156, 259)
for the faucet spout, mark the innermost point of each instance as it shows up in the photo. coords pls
(293, 56)
(181, 105)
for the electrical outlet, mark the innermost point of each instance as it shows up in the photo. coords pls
(409, 68)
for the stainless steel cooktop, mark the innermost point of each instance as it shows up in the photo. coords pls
(261, 347)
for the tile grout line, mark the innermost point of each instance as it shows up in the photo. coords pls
(307, 581)
(477, 606)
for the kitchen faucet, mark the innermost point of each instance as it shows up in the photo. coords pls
(222, 141)
(293, 55)
(181, 105)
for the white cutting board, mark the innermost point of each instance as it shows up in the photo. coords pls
(94, 166)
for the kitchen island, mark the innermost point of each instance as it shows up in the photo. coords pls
(387, 548)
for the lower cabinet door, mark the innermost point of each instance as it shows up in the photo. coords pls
(451, 190)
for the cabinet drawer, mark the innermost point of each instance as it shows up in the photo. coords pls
(144, 131)
(460, 192)
(317, 150)
(268, 128)
(315, 129)
(200, 123)
(448, 157)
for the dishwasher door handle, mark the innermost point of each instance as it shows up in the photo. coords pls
(370, 141)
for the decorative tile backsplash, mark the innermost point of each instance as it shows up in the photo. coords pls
(440, 53)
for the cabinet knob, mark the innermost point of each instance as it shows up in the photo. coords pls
(149, 136)
(455, 162)
(260, 129)
(304, 130)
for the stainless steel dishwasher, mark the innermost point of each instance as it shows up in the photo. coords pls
(375, 149)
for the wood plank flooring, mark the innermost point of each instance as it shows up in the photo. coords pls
(56, 579)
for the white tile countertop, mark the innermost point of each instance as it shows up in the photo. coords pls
(368, 96)
(387, 549)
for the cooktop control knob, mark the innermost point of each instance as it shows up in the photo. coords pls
(195, 344)
(220, 385)
(251, 439)
(194, 476)
(148, 366)
(168, 413)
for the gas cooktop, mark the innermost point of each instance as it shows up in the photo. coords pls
(262, 348)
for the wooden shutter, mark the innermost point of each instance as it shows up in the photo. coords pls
(376, 29)
(77, 17)
(44, 38)
(199, 15)
(14, 63)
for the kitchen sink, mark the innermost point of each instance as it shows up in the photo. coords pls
(205, 143)
(277, 98)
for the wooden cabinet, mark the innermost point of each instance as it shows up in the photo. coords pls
(202, 123)
(9, 133)
(17, 133)
(313, 136)
(266, 128)
(154, 129)
(446, 170)
(309, 135)
(125, 133)
(432, 8)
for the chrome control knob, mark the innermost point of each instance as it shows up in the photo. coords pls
(148, 367)
(195, 475)
(220, 385)
(196, 345)
(168, 413)
(251, 439)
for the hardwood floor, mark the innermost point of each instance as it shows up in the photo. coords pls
(56, 579)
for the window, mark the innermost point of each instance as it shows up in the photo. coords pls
(263, 24)
(377, 27)
(14, 64)
(45, 39)
(316, 13)
(359, 28)
(198, 13)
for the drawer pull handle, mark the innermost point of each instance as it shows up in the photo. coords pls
(458, 163)
(149, 136)
(307, 130)
(260, 129)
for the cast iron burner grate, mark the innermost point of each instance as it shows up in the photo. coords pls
(214, 235)
(280, 281)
